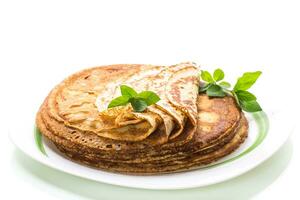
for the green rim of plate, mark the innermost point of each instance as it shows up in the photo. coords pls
(261, 119)
(38, 138)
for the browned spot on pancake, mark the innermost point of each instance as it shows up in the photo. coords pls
(205, 128)
(208, 117)
(188, 103)
(205, 103)
(175, 92)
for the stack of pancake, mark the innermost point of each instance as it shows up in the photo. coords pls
(183, 131)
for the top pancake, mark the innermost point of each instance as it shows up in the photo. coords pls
(80, 102)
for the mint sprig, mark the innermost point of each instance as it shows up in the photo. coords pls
(215, 87)
(139, 101)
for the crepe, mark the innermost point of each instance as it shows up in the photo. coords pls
(188, 163)
(82, 103)
(182, 131)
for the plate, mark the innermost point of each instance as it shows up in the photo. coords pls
(267, 133)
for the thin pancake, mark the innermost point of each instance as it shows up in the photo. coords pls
(218, 116)
(193, 162)
(183, 131)
(73, 103)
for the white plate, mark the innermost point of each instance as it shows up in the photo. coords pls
(267, 132)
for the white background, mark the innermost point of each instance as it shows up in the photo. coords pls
(40, 38)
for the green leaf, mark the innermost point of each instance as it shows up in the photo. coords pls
(119, 101)
(127, 91)
(206, 76)
(250, 106)
(246, 81)
(205, 87)
(215, 91)
(225, 84)
(139, 102)
(245, 96)
(138, 105)
(39, 140)
(149, 97)
(218, 75)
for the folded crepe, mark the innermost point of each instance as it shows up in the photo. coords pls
(177, 87)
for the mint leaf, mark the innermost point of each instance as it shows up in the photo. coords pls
(250, 106)
(205, 87)
(246, 81)
(218, 75)
(206, 76)
(215, 87)
(127, 91)
(139, 102)
(149, 97)
(245, 96)
(225, 84)
(119, 101)
(215, 91)
(138, 105)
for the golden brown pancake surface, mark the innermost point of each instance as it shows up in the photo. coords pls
(189, 130)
